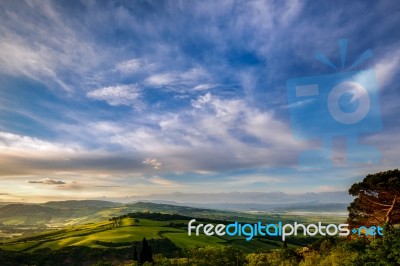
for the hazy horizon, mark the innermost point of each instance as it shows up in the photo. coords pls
(214, 197)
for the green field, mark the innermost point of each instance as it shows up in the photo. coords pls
(104, 225)
(126, 231)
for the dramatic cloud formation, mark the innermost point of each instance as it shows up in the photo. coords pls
(149, 97)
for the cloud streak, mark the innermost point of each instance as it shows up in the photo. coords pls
(47, 181)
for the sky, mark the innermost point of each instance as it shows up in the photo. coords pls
(125, 98)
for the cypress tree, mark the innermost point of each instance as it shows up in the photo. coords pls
(135, 254)
(146, 253)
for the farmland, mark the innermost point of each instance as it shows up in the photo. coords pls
(105, 230)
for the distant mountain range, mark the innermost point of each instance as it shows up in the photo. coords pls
(250, 201)
(330, 202)
(57, 214)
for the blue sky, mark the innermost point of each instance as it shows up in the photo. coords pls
(122, 98)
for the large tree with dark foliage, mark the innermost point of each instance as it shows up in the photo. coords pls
(146, 254)
(377, 200)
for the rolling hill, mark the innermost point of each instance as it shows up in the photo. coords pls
(76, 229)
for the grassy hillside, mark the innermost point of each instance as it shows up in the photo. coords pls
(28, 219)
(94, 230)
(123, 232)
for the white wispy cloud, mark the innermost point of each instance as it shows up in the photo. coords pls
(129, 66)
(19, 144)
(212, 136)
(117, 95)
(161, 79)
(43, 46)
(387, 68)
(299, 104)
(201, 100)
(17, 57)
(203, 87)
(196, 78)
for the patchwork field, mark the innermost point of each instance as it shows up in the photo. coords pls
(103, 225)
(126, 231)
